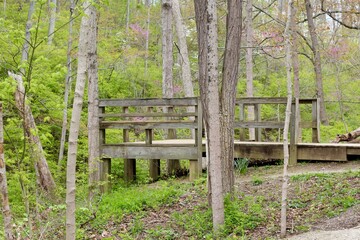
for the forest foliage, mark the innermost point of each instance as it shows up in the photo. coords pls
(126, 70)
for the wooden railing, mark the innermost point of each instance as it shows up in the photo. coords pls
(296, 124)
(146, 116)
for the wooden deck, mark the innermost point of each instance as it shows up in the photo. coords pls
(185, 149)
(165, 118)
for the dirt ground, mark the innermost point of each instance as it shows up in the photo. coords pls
(346, 226)
(343, 227)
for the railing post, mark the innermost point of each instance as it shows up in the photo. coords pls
(257, 118)
(172, 164)
(105, 163)
(316, 121)
(293, 133)
(154, 164)
(241, 119)
(129, 164)
(196, 164)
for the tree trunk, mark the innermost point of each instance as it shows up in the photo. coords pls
(75, 123)
(184, 55)
(167, 54)
(8, 230)
(228, 90)
(288, 43)
(317, 60)
(167, 50)
(68, 81)
(249, 64)
(45, 178)
(52, 20)
(206, 18)
(296, 69)
(93, 98)
(348, 137)
(26, 46)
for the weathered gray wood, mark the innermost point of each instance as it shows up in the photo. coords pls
(142, 125)
(129, 164)
(160, 102)
(156, 114)
(172, 164)
(196, 171)
(321, 153)
(256, 100)
(257, 124)
(241, 121)
(257, 118)
(308, 125)
(105, 171)
(154, 162)
(258, 151)
(315, 120)
(150, 152)
(293, 137)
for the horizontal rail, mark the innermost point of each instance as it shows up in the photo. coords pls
(149, 152)
(275, 100)
(265, 124)
(142, 125)
(146, 114)
(148, 102)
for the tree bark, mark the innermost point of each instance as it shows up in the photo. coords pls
(249, 64)
(348, 137)
(93, 98)
(228, 90)
(296, 69)
(26, 46)
(44, 176)
(8, 230)
(184, 55)
(316, 61)
(68, 81)
(288, 48)
(206, 18)
(167, 54)
(52, 20)
(75, 123)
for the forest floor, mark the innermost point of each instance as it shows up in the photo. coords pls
(345, 226)
(268, 179)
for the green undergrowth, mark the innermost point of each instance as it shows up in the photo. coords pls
(253, 214)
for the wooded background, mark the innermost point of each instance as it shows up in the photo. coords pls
(39, 42)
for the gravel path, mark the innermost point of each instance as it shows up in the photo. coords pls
(345, 234)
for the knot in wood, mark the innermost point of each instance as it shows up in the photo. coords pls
(166, 6)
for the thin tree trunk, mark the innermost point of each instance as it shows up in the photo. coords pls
(228, 91)
(68, 80)
(45, 178)
(93, 101)
(206, 23)
(317, 60)
(214, 122)
(184, 55)
(167, 53)
(147, 41)
(296, 69)
(75, 124)
(8, 230)
(288, 43)
(26, 46)
(167, 50)
(249, 64)
(52, 21)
